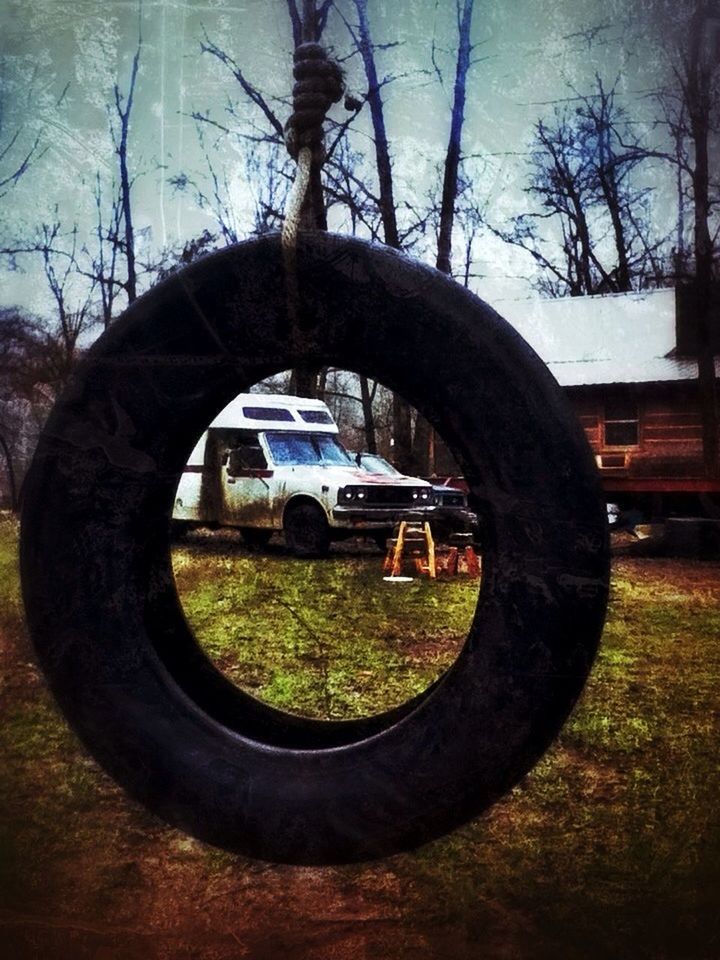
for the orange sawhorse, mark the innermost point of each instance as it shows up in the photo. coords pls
(413, 540)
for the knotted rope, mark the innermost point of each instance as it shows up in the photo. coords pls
(318, 84)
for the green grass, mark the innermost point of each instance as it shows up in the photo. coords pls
(609, 848)
(325, 638)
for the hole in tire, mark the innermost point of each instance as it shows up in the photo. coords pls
(283, 540)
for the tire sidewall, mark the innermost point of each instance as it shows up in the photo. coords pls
(100, 596)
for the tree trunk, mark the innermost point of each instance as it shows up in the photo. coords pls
(10, 473)
(699, 107)
(585, 259)
(423, 441)
(322, 383)
(452, 157)
(368, 416)
(609, 189)
(402, 435)
(303, 382)
(131, 283)
(607, 176)
(377, 113)
(402, 428)
(125, 179)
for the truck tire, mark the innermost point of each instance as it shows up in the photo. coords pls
(306, 530)
(256, 538)
(102, 606)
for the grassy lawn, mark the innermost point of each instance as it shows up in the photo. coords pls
(326, 638)
(610, 847)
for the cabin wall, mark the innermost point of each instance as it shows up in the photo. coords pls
(644, 437)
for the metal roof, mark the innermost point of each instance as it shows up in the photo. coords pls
(617, 338)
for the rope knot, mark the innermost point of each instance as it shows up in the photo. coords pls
(318, 84)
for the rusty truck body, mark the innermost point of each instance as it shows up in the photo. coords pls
(274, 463)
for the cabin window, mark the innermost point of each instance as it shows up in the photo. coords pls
(268, 413)
(622, 428)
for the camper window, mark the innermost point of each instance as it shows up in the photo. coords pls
(315, 416)
(268, 413)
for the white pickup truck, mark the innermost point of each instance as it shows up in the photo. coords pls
(268, 463)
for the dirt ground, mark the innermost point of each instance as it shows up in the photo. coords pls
(549, 872)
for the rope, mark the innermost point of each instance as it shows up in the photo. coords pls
(318, 84)
(296, 198)
(291, 226)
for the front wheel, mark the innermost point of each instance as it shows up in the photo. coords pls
(306, 529)
(256, 538)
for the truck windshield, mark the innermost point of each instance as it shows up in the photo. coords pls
(307, 449)
(375, 464)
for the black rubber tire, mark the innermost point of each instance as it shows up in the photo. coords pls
(107, 623)
(256, 538)
(307, 532)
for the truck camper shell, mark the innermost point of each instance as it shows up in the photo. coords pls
(270, 462)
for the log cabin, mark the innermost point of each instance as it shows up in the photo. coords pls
(625, 361)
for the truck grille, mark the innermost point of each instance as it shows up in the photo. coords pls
(390, 496)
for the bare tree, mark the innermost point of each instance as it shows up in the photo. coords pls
(363, 41)
(361, 35)
(464, 11)
(423, 439)
(72, 295)
(13, 168)
(19, 148)
(115, 238)
(123, 104)
(308, 21)
(104, 253)
(347, 189)
(592, 231)
(15, 161)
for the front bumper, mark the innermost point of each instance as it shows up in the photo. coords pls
(378, 517)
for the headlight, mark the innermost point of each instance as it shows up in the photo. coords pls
(351, 493)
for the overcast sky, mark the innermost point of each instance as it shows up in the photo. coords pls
(60, 59)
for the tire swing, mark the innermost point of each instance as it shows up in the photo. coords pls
(100, 596)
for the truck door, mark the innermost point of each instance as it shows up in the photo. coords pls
(245, 485)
